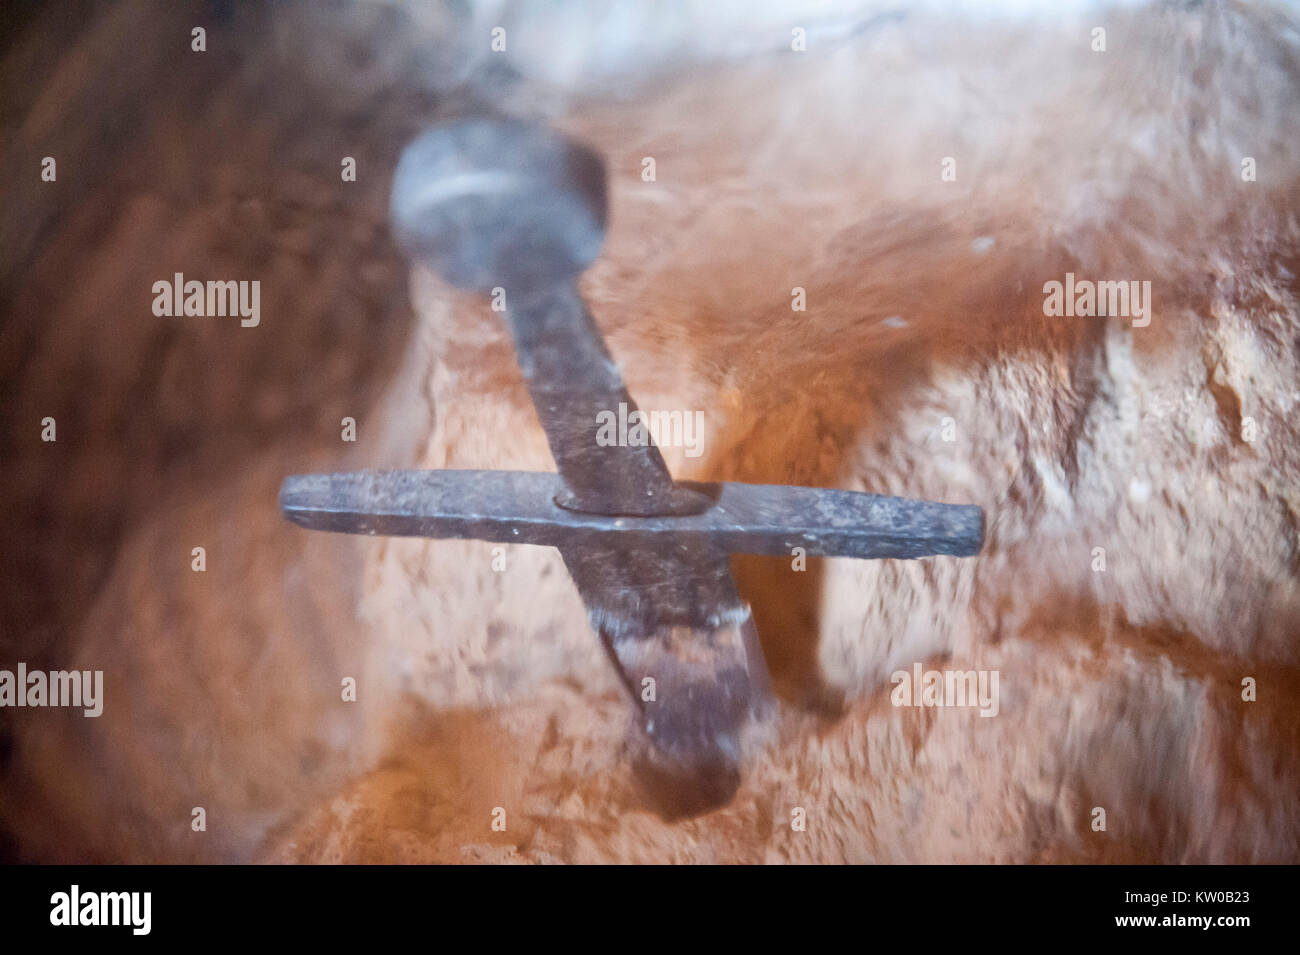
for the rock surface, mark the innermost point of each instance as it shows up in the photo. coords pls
(923, 366)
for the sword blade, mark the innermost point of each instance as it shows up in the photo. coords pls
(684, 644)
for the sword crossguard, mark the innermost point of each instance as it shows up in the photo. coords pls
(503, 204)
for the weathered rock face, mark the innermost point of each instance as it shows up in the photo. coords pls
(1137, 595)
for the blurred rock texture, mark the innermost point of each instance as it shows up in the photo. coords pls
(1171, 447)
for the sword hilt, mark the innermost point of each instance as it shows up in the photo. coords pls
(512, 206)
(519, 210)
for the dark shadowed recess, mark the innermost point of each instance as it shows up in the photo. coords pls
(222, 165)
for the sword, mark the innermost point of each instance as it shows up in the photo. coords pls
(509, 205)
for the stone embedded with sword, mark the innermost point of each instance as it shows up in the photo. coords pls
(512, 205)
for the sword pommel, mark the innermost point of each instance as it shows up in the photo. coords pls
(499, 203)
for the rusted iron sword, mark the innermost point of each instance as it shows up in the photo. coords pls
(501, 204)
